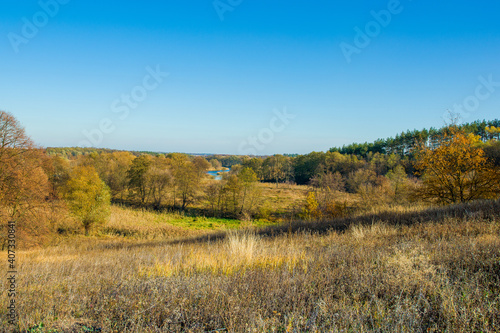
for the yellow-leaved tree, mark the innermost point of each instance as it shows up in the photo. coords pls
(457, 170)
(311, 208)
(88, 197)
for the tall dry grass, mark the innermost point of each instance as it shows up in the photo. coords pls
(143, 224)
(432, 271)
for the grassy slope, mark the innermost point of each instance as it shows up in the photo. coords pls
(432, 270)
(144, 224)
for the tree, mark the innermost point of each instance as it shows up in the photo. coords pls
(177, 163)
(277, 168)
(216, 165)
(137, 176)
(361, 180)
(248, 181)
(399, 182)
(234, 194)
(492, 151)
(326, 186)
(213, 195)
(493, 132)
(306, 166)
(311, 207)
(328, 181)
(336, 162)
(24, 185)
(187, 178)
(255, 164)
(119, 165)
(201, 165)
(457, 170)
(88, 197)
(158, 178)
(58, 170)
(23, 182)
(13, 139)
(188, 183)
(232, 191)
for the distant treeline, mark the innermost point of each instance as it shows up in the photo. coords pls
(226, 161)
(71, 152)
(380, 157)
(402, 143)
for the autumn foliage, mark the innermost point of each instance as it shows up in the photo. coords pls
(457, 170)
(88, 197)
(24, 185)
(23, 182)
(61, 191)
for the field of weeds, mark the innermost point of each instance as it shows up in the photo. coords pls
(429, 271)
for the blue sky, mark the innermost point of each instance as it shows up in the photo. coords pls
(228, 78)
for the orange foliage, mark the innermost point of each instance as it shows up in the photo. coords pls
(24, 186)
(457, 170)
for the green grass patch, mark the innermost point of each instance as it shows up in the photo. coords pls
(145, 224)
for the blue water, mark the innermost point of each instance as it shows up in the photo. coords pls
(215, 174)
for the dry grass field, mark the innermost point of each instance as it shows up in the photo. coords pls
(429, 271)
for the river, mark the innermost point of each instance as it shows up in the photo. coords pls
(216, 174)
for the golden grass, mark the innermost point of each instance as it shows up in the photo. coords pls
(143, 224)
(431, 275)
(275, 202)
(239, 252)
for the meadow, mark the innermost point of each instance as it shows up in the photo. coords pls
(343, 241)
(402, 270)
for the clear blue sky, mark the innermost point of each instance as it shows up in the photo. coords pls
(227, 77)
